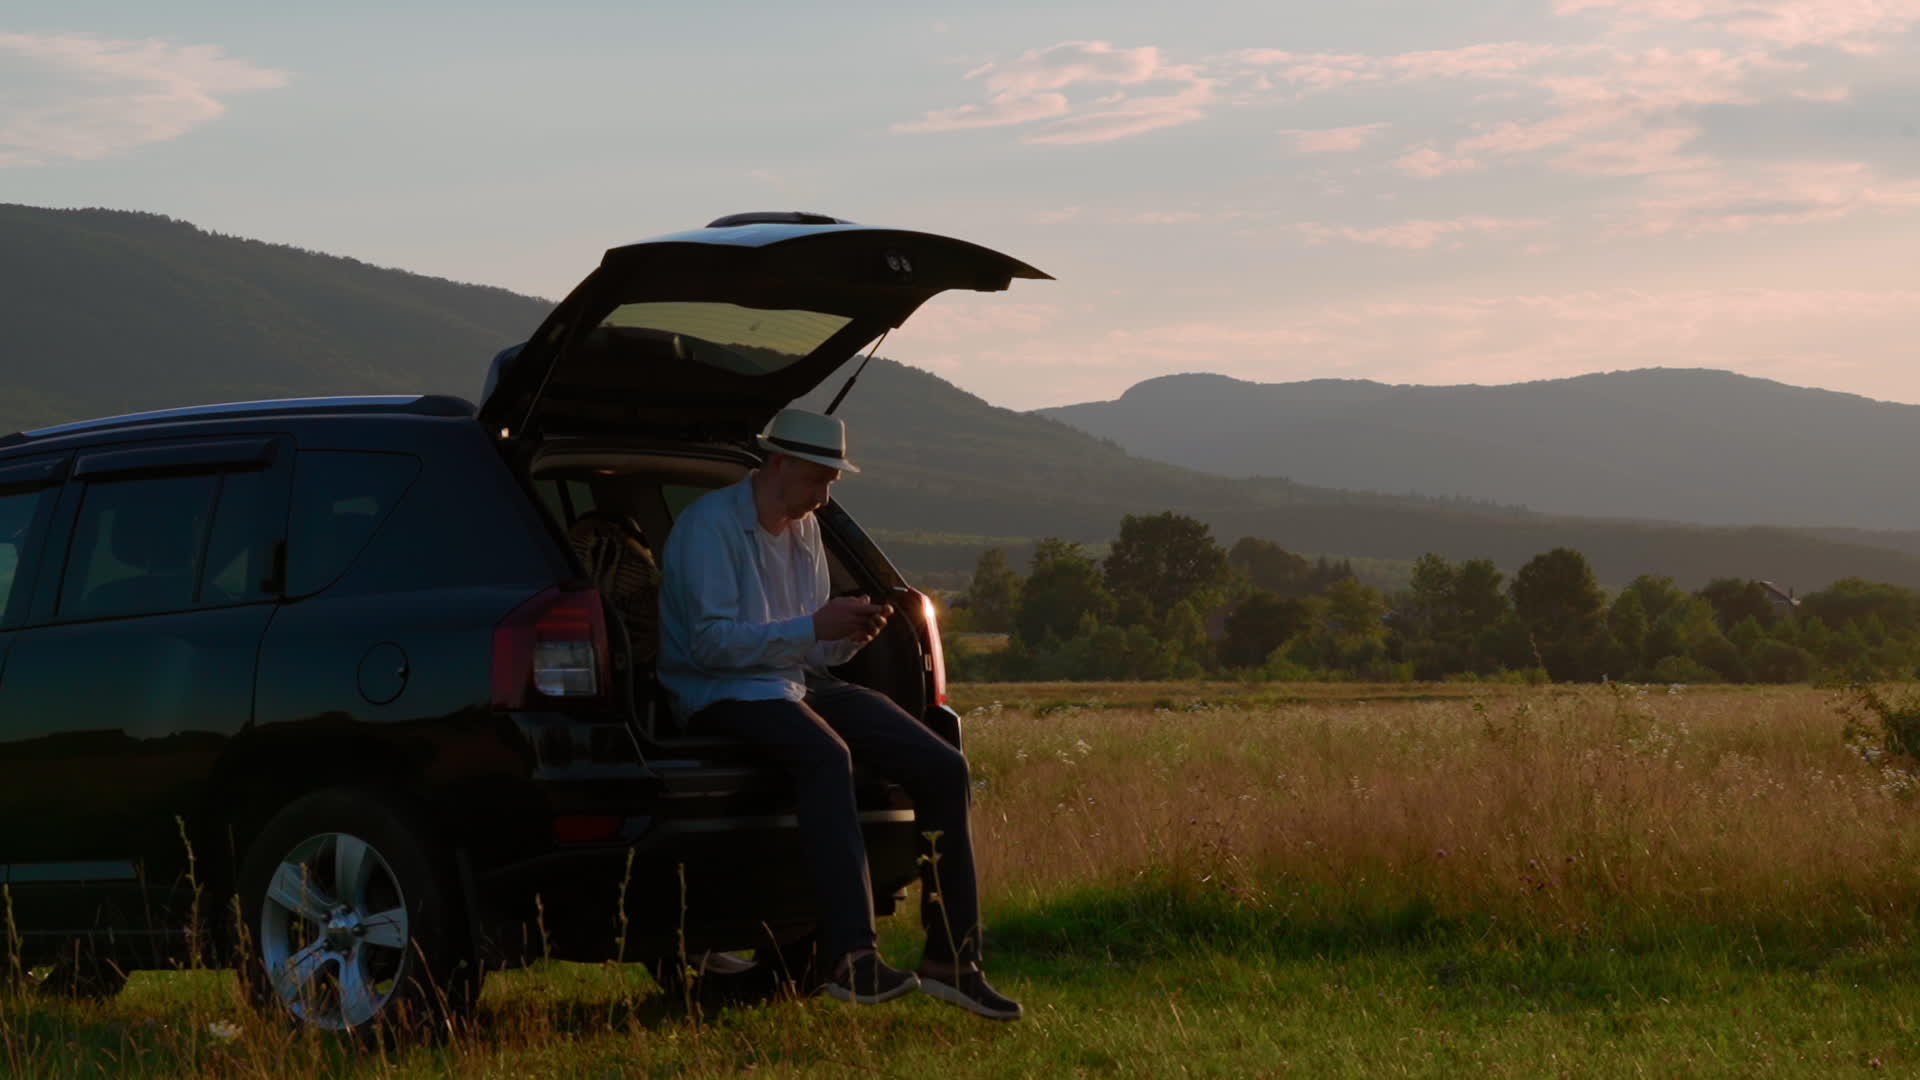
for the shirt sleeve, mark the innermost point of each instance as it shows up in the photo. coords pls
(718, 638)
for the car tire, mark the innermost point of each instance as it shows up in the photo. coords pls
(352, 918)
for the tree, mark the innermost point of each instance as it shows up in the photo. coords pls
(1627, 621)
(993, 598)
(1561, 606)
(1737, 599)
(1167, 558)
(1185, 636)
(1853, 600)
(1349, 634)
(1428, 613)
(1779, 662)
(1425, 619)
(1646, 640)
(1259, 624)
(1063, 588)
(1686, 626)
(1271, 567)
(1477, 599)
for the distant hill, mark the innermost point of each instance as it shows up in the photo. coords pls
(109, 311)
(1679, 445)
(944, 461)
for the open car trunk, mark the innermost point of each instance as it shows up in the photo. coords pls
(704, 335)
(640, 491)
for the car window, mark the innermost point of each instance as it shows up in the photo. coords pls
(580, 497)
(17, 512)
(136, 546)
(248, 523)
(339, 499)
(743, 340)
(680, 496)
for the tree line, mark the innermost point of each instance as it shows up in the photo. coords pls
(1169, 602)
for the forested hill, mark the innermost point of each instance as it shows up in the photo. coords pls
(939, 459)
(108, 312)
(1679, 445)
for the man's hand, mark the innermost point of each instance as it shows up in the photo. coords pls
(850, 618)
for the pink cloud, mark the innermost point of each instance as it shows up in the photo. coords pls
(1416, 235)
(996, 113)
(1655, 151)
(1031, 88)
(1068, 63)
(1427, 162)
(1334, 140)
(1132, 116)
(1794, 193)
(94, 97)
(1852, 25)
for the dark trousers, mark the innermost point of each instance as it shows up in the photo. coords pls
(817, 744)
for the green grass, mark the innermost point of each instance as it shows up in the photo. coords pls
(1190, 879)
(1107, 996)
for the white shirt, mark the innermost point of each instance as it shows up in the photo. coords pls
(737, 604)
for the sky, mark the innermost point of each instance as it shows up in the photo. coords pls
(1467, 191)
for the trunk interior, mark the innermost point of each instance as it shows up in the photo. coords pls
(635, 494)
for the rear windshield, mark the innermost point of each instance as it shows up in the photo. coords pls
(743, 340)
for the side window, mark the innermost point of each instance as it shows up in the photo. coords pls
(17, 513)
(247, 527)
(579, 496)
(339, 498)
(136, 546)
(680, 496)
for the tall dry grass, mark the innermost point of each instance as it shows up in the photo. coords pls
(1562, 816)
(1619, 810)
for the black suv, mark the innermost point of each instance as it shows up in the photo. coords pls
(342, 659)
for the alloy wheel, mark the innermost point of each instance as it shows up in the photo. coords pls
(334, 931)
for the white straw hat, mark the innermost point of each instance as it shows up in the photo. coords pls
(809, 436)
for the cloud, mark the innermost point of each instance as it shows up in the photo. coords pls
(1852, 25)
(1415, 235)
(1334, 140)
(1069, 63)
(997, 112)
(1427, 162)
(1034, 87)
(1132, 116)
(1655, 151)
(84, 98)
(1790, 193)
(1322, 72)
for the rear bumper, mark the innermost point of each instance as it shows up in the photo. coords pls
(720, 881)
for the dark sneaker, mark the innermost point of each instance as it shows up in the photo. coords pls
(970, 990)
(865, 979)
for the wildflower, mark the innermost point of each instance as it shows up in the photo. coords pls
(224, 1030)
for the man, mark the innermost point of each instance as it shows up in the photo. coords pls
(748, 629)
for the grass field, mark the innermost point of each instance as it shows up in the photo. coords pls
(1283, 880)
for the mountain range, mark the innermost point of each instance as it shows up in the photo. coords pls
(1698, 446)
(110, 311)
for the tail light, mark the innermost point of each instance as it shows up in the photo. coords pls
(936, 653)
(553, 648)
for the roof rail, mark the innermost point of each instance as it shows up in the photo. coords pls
(420, 404)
